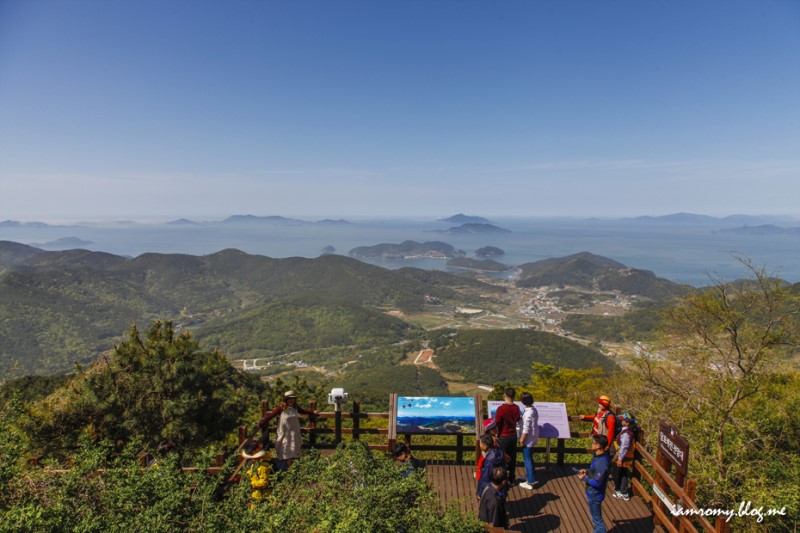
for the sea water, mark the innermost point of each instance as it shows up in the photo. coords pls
(690, 254)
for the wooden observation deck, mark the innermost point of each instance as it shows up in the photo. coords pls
(557, 504)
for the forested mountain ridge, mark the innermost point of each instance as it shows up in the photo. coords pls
(60, 307)
(592, 271)
(13, 253)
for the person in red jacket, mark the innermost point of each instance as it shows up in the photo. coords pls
(507, 418)
(604, 421)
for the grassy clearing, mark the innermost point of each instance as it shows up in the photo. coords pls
(465, 388)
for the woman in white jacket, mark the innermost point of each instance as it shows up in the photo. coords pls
(528, 432)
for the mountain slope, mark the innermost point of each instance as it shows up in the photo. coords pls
(594, 272)
(13, 253)
(291, 326)
(60, 307)
(491, 356)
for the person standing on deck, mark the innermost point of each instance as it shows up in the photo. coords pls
(288, 443)
(596, 479)
(529, 436)
(604, 421)
(508, 418)
(625, 447)
(493, 458)
(492, 508)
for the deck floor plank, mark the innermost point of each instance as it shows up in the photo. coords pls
(557, 504)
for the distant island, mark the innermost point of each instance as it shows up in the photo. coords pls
(489, 251)
(183, 222)
(64, 242)
(18, 224)
(470, 228)
(252, 219)
(477, 228)
(464, 219)
(485, 265)
(406, 250)
(339, 222)
(329, 249)
(763, 229)
(690, 219)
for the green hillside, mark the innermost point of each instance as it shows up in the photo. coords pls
(50, 319)
(372, 384)
(12, 253)
(637, 324)
(57, 308)
(491, 356)
(290, 326)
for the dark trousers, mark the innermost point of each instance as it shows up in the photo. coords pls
(622, 479)
(509, 446)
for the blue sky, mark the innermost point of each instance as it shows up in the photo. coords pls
(435, 405)
(145, 109)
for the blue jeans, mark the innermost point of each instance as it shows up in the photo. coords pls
(530, 466)
(595, 511)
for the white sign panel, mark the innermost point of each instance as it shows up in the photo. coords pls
(664, 498)
(553, 419)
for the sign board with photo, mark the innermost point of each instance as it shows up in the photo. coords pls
(435, 415)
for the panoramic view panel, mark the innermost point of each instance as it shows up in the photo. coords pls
(399, 266)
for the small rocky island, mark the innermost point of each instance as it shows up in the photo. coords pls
(407, 250)
(489, 251)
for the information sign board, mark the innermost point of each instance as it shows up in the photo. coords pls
(553, 419)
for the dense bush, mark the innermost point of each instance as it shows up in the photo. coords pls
(159, 386)
(349, 491)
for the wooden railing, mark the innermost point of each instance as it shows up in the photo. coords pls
(661, 480)
(647, 471)
(465, 447)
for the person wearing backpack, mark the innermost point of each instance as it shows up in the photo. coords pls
(493, 458)
(625, 446)
(492, 509)
(604, 421)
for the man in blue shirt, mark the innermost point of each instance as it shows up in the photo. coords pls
(596, 479)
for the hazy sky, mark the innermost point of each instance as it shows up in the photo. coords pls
(141, 109)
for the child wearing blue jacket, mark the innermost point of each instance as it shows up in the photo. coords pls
(596, 479)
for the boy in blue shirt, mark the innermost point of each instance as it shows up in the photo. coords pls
(596, 479)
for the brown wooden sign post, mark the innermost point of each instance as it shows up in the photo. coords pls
(673, 450)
